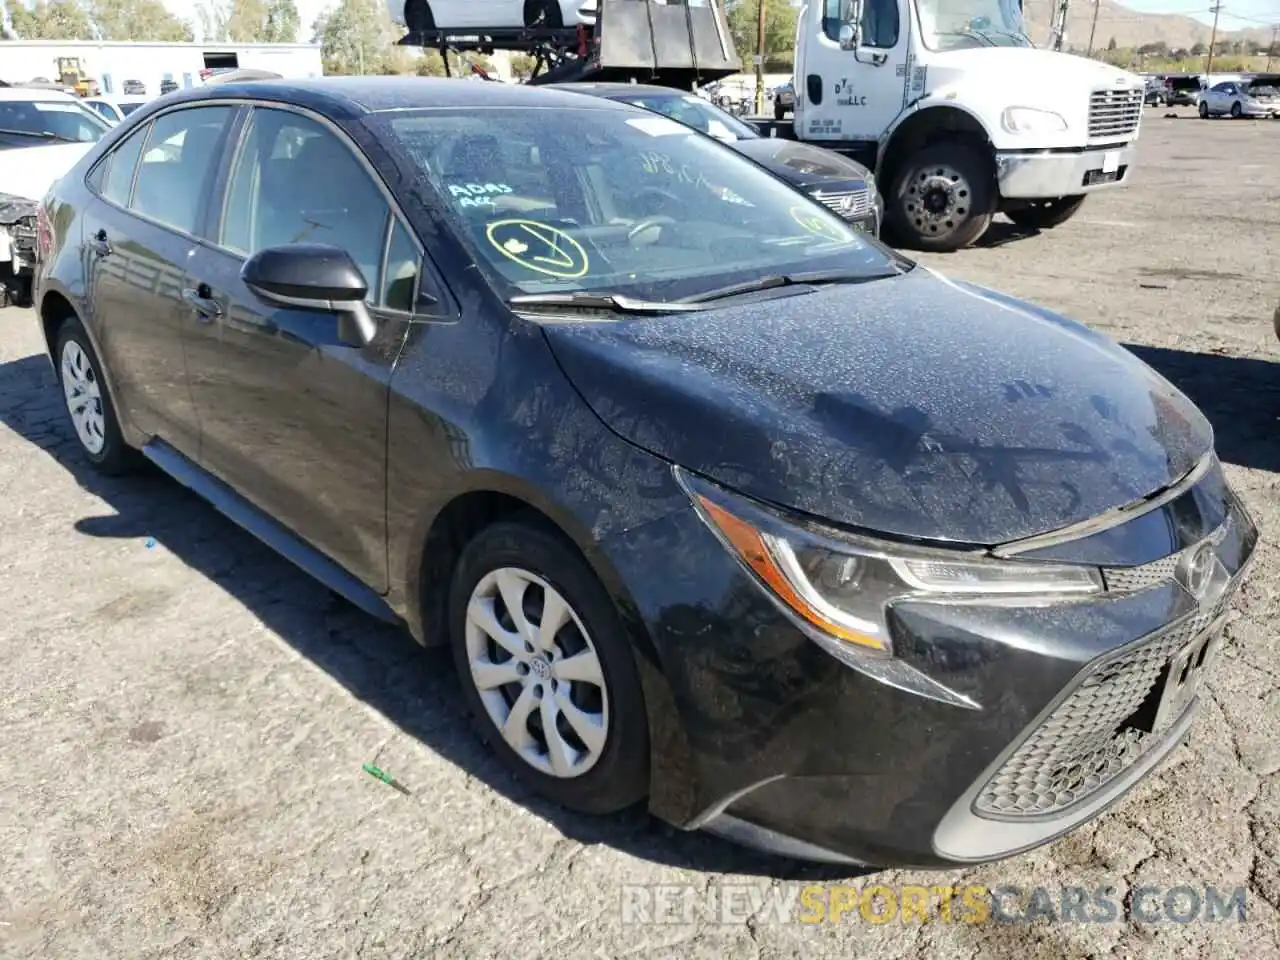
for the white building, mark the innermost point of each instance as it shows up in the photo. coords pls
(111, 64)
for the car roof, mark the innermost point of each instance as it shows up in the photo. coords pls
(374, 94)
(121, 97)
(35, 93)
(619, 89)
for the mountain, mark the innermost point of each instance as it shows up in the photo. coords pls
(1129, 27)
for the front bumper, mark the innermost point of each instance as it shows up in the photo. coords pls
(1260, 111)
(1045, 174)
(763, 737)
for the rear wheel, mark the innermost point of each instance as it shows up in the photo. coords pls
(1204, 110)
(93, 417)
(1236, 111)
(942, 198)
(543, 13)
(1045, 214)
(418, 16)
(547, 669)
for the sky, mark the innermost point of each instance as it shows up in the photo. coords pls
(1235, 15)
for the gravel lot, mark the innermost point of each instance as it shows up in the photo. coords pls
(185, 715)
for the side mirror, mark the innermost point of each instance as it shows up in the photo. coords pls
(312, 276)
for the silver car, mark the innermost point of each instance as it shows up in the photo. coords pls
(1257, 98)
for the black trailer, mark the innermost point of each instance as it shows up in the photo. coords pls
(671, 44)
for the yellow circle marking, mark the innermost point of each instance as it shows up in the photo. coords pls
(819, 225)
(538, 247)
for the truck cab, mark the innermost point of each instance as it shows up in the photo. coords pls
(960, 115)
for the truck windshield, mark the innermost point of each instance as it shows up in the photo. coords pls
(618, 201)
(962, 24)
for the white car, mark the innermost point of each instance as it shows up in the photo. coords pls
(114, 109)
(42, 135)
(420, 15)
(1241, 98)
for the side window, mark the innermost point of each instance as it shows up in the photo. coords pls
(294, 181)
(833, 18)
(400, 270)
(880, 24)
(120, 168)
(177, 166)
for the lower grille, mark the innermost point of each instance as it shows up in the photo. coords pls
(1087, 741)
(1114, 114)
(849, 204)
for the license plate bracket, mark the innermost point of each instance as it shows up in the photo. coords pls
(1182, 678)
(1111, 161)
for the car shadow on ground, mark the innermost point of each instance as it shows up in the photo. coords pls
(1239, 395)
(380, 665)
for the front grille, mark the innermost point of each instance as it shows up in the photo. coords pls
(849, 204)
(1114, 114)
(1087, 741)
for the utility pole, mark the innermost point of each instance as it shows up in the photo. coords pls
(1093, 29)
(760, 11)
(1058, 32)
(1271, 50)
(1213, 40)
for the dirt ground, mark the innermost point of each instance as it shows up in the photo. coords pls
(184, 715)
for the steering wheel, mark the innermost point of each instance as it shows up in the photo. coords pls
(646, 223)
(668, 200)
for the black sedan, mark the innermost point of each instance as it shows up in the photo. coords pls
(717, 503)
(839, 183)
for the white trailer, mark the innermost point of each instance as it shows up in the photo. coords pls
(112, 64)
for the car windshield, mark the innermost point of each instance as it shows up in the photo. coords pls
(961, 24)
(619, 201)
(694, 112)
(55, 120)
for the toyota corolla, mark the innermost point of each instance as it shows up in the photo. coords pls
(719, 504)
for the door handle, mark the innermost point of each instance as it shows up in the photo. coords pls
(201, 301)
(99, 244)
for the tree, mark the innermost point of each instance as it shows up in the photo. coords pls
(522, 66)
(44, 20)
(140, 20)
(1199, 49)
(357, 37)
(779, 28)
(1111, 44)
(250, 21)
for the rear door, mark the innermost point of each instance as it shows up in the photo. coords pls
(138, 237)
(294, 417)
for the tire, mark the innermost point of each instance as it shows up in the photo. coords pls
(1204, 110)
(418, 17)
(79, 377)
(1046, 214)
(779, 111)
(613, 776)
(1236, 111)
(966, 174)
(543, 13)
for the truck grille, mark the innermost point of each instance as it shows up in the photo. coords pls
(1114, 114)
(1087, 741)
(849, 204)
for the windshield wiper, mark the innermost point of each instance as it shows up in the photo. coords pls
(617, 302)
(39, 135)
(813, 278)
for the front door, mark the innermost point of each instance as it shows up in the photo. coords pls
(138, 238)
(851, 95)
(294, 415)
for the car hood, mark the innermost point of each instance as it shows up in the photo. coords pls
(917, 407)
(30, 171)
(800, 163)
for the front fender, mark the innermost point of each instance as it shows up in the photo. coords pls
(931, 107)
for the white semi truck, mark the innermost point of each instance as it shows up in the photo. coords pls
(960, 116)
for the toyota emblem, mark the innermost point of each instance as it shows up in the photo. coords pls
(1195, 570)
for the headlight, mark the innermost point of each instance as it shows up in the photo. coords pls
(842, 586)
(1031, 120)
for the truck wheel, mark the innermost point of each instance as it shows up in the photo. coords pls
(1045, 214)
(942, 199)
(418, 17)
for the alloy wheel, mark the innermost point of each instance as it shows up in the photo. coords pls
(537, 672)
(83, 395)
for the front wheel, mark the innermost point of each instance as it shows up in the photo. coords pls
(1236, 111)
(1045, 214)
(942, 198)
(1204, 110)
(547, 669)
